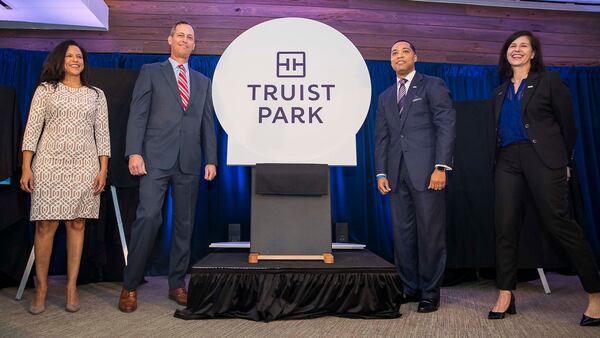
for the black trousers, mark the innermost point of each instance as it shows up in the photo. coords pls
(518, 168)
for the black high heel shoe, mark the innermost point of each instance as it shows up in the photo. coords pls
(511, 310)
(589, 321)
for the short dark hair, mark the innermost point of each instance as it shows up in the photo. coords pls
(537, 63)
(179, 23)
(53, 70)
(409, 43)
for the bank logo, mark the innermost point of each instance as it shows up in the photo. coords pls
(291, 64)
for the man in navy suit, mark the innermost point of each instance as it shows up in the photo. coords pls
(170, 127)
(415, 132)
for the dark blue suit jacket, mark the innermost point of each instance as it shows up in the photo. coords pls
(423, 135)
(160, 130)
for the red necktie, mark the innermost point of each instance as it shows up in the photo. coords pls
(182, 83)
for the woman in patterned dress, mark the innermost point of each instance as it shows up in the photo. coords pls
(66, 147)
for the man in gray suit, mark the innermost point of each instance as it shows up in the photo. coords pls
(415, 131)
(170, 125)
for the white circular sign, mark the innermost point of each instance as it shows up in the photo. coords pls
(291, 90)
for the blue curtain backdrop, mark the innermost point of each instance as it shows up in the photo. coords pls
(354, 196)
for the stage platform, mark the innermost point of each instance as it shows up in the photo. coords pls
(359, 284)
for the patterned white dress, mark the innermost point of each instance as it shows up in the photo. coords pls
(67, 129)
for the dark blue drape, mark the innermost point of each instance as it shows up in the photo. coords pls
(354, 197)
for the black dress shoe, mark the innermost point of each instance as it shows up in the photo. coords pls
(511, 310)
(589, 321)
(426, 306)
(410, 299)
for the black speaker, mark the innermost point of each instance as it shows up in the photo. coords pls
(341, 232)
(234, 233)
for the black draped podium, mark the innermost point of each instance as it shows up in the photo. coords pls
(358, 285)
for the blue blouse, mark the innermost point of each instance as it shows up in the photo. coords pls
(512, 128)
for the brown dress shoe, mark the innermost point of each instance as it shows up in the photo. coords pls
(128, 301)
(179, 295)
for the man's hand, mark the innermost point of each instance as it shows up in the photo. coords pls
(383, 185)
(438, 180)
(210, 172)
(136, 165)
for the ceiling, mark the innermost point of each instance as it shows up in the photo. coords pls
(93, 14)
(54, 14)
(557, 5)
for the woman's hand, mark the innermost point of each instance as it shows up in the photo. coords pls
(99, 183)
(27, 180)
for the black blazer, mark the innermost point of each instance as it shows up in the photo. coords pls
(547, 113)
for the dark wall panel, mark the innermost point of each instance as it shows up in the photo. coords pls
(442, 32)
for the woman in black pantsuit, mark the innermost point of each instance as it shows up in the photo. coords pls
(535, 139)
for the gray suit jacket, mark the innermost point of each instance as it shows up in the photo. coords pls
(423, 135)
(160, 130)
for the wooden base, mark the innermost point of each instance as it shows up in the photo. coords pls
(254, 257)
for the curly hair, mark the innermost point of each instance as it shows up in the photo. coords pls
(53, 70)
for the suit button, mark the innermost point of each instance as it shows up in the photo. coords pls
(526, 125)
(401, 136)
(534, 141)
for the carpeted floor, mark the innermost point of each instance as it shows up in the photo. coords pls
(463, 314)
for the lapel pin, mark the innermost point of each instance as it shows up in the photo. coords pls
(530, 86)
